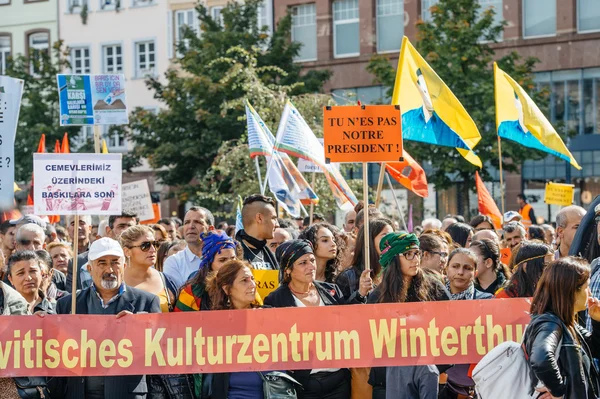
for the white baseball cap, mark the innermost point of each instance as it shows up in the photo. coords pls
(510, 215)
(103, 247)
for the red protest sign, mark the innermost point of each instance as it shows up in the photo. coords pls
(362, 133)
(448, 332)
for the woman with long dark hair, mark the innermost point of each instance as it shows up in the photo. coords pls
(560, 351)
(329, 247)
(349, 279)
(461, 234)
(530, 261)
(491, 273)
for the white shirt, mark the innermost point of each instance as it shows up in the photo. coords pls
(181, 265)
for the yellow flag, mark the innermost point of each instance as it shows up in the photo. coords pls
(104, 148)
(431, 113)
(519, 119)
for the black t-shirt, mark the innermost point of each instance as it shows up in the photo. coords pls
(259, 259)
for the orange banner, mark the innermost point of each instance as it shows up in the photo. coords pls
(370, 133)
(450, 332)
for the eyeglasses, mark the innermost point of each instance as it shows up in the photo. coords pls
(145, 246)
(411, 255)
(441, 254)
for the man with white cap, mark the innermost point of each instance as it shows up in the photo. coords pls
(108, 294)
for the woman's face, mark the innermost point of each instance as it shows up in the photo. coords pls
(139, 257)
(326, 247)
(243, 290)
(469, 239)
(60, 258)
(221, 258)
(26, 277)
(304, 270)
(461, 272)
(175, 249)
(386, 230)
(483, 266)
(409, 262)
(581, 297)
(158, 236)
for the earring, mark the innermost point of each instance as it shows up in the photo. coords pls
(228, 301)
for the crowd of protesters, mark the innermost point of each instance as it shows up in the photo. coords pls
(124, 267)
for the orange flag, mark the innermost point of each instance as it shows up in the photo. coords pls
(410, 174)
(41, 149)
(487, 205)
(65, 145)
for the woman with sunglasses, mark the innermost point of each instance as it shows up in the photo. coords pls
(404, 281)
(491, 273)
(530, 261)
(140, 250)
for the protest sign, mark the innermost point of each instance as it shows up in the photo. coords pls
(11, 92)
(92, 100)
(559, 194)
(267, 281)
(401, 334)
(370, 133)
(137, 200)
(84, 184)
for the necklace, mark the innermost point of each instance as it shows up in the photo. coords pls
(252, 252)
(300, 293)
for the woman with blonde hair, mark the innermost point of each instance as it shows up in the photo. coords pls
(140, 248)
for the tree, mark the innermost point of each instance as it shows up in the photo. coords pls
(456, 43)
(39, 107)
(196, 140)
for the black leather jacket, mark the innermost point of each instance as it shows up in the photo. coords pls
(568, 376)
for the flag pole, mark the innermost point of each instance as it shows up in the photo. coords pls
(396, 200)
(312, 204)
(366, 257)
(501, 177)
(380, 184)
(257, 165)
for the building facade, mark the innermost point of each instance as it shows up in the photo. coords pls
(343, 35)
(26, 25)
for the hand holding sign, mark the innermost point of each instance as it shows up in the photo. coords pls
(366, 283)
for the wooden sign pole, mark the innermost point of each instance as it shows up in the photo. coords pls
(366, 212)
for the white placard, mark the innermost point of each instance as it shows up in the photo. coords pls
(308, 167)
(84, 184)
(137, 200)
(11, 92)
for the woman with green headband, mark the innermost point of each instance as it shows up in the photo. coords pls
(404, 281)
(530, 261)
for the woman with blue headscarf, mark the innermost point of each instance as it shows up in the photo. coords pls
(217, 249)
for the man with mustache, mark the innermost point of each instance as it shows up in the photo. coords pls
(108, 294)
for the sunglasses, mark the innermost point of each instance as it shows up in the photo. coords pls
(145, 246)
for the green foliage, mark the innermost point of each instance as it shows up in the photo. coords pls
(456, 43)
(196, 142)
(39, 108)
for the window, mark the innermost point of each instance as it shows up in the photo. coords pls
(265, 16)
(140, 3)
(215, 13)
(108, 4)
(114, 141)
(85, 134)
(5, 52)
(346, 29)
(145, 59)
(425, 9)
(39, 44)
(496, 5)
(390, 25)
(76, 5)
(185, 18)
(112, 59)
(366, 95)
(4, 2)
(588, 16)
(80, 60)
(539, 18)
(304, 31)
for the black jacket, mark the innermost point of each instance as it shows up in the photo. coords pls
(282, 297)
(126, 387)
(349, 281)
(569, 376)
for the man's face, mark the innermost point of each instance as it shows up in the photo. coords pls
(350, 221)
(120, 225)
(567, 233)
(107, 272)
(171, 230)
(8, 239)
(520, 201)
(513, 239)
(83, 231)
(30, 240)
(267, 221)
(279, 237)
(194, 224)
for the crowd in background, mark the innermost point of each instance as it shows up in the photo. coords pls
(196, 264)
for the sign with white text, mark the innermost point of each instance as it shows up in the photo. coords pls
(83, 184)
(11, 91)
(137, 200)
(92, 100)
